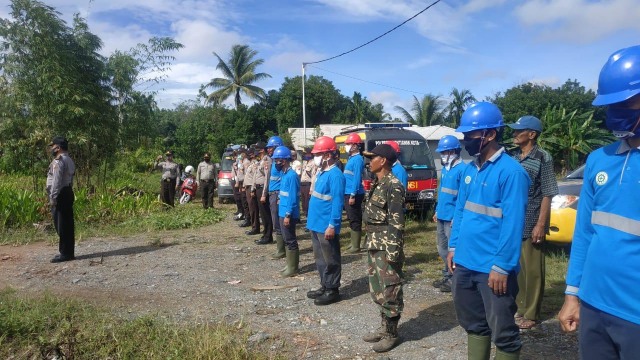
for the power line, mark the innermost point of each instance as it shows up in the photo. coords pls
(370, 82)
(370, 41)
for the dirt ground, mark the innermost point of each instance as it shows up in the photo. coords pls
(217, 273)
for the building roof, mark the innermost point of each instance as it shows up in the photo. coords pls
(436, 132)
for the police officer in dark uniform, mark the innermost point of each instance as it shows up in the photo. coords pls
(59, 189)
(170, 173)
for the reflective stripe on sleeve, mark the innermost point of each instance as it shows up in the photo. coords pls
(348, 172)
(617, 222)
(274, 178)
(483, 210)
(449, 191)
(321, 196)
(284, 193)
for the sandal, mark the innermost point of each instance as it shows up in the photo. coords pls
(526, 324)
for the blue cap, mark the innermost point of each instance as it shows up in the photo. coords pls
(527, 122)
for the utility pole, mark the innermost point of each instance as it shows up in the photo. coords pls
(304, 112)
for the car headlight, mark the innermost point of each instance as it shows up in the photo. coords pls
(564, 201)
(224, 182)
(426, 195)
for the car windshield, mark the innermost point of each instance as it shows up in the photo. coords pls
(227, 164)
(576, 174)
(414, 154)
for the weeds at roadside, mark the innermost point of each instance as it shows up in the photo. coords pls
(50, 327)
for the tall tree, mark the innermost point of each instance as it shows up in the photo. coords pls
(426, 112)
(459, 101)
(239, 75)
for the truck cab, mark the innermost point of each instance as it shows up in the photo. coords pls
(415, 156)
(225, 177)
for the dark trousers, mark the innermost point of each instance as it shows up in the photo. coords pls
(243, 199)
(289, 233)
(328, 260)
(62, 215)
(481, 312)
(252, 204)
(208, 187)
(602, 336)
(273, 208)
(237, 198)
(168, 191)
(354, 212)
(305, 188)
(265, 214)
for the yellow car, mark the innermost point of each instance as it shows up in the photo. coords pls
(564, 206)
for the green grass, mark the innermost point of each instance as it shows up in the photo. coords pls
(48, 326)
(423, 262)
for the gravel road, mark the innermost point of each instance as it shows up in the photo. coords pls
(216, 273)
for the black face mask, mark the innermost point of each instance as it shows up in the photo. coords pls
(473, 145)
(279, 166)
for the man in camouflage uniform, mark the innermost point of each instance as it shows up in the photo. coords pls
(384, 218)
(170, 173)
(59, 189)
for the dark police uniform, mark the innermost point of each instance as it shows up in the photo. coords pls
(59, 189)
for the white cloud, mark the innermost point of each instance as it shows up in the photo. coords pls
(479, 5)
(201, 39)
(581, 21)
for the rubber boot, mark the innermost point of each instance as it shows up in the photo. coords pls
(378, 333)
(390, 339)
(293, 260)
(478, 347)
(503, 355)
(280, 253)
(356, 236)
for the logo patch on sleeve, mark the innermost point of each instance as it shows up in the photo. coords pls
(601, 178)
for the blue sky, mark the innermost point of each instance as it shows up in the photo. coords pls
(485, 46)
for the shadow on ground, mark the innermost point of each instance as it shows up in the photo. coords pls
(124, 251)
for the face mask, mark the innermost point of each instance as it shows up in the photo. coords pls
(473, 146)
(54, 153)
(444, 160)
(279, 166)
(622, 122)
(317, 160)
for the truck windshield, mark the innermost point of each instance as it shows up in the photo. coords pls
(227, 164)
(415, 154)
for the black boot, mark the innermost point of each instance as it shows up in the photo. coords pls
(329, 297)
(314, 294)
(390, 339)
(245, 223)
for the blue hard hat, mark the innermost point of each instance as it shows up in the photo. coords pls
(274, 141)
(620, 77)
(281, 152)
(448, 142)
(480, 115)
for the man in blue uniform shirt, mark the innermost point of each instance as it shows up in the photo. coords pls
(398, 170)
(354, 191)
(484, 248)
(450, 177)
(604, 272)
(325, 219)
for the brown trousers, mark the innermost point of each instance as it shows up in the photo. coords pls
(253, 209)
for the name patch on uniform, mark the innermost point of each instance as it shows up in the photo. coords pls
(467, 180)
(601, 178)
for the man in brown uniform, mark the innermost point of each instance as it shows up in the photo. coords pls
(261, 192)
(252, 200)
(206, 179)
(170, 173)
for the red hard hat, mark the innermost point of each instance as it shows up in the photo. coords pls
(324, 144)
(353, 138)
(394, 145)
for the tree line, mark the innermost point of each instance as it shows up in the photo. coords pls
(53, 81)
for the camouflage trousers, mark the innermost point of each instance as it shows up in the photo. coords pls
(385, 283)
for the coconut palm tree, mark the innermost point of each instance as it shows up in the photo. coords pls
(427, 112)
(459, 102)
(239, 75)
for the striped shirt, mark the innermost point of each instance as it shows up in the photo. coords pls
(539, 165)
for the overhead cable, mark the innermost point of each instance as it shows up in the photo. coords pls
(370, 41)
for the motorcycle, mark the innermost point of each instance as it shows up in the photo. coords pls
(189, 186)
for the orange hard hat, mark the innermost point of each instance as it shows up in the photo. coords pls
(394, 145)
(353, 138)
(324, 144)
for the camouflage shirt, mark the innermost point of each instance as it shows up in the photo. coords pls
(384, 216)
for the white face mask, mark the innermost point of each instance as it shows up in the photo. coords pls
(444, 159)
(317, 160)
(354, 148)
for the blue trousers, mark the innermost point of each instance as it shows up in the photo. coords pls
(602, 336)
(328, 260)
(481, 312)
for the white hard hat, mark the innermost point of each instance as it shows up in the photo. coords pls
(188, 169)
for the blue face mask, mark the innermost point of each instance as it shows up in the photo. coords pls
(623, 122)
